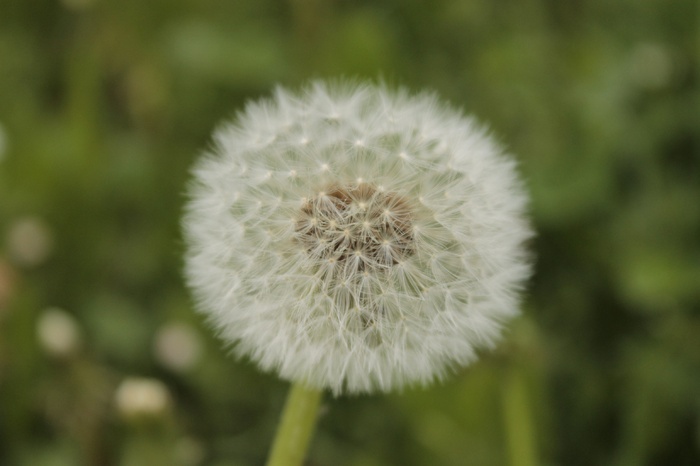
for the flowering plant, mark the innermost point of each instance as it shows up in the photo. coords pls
(356, 239)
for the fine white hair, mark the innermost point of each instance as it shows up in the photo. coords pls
(354, 238)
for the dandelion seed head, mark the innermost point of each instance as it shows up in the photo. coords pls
(58, 333)
(342, 266)
(138, 397)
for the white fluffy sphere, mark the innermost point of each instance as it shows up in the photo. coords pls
(356, 239)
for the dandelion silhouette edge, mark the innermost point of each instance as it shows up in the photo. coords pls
(354, 238)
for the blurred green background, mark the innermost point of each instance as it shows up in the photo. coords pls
(104, 105)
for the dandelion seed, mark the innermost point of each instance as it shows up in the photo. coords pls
(389, 271)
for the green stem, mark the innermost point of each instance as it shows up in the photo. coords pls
(518, 420)
(296, 427)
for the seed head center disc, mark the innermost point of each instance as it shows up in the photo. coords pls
(358, 225)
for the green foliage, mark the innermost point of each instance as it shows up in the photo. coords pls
(104, 106)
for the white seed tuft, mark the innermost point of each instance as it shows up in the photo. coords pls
(379, 273)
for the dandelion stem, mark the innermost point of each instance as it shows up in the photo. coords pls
(518, 420)
(296, 427)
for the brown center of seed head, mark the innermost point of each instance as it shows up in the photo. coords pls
(358, 225)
